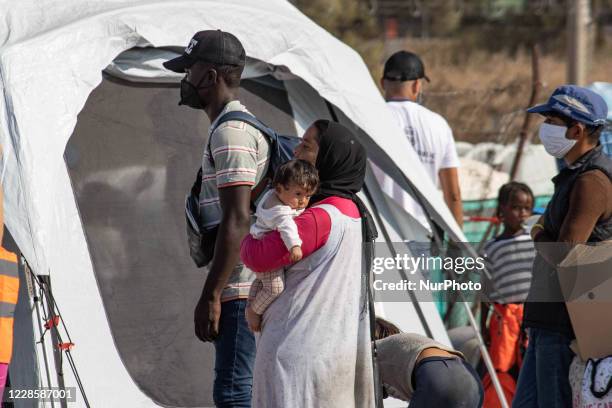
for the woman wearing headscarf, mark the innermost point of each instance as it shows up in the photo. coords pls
(314, 349)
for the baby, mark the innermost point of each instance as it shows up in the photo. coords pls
(293, 185)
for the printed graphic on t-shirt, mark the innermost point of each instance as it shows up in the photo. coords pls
(425, 156)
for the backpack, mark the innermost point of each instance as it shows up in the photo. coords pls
(201, 241)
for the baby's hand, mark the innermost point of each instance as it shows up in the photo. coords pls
(296, 253)
(253, 319)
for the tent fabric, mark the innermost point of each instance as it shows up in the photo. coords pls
(51, 45)
(52, 55)
(145, 65)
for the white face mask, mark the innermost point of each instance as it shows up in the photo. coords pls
(554, 141)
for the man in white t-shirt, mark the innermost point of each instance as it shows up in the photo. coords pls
(427, 131)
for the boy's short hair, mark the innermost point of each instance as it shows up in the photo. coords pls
(384, 329)
(297, 172)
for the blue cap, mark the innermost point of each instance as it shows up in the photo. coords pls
(577, 103)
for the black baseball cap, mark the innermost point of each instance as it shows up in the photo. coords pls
(404, 66)
(214, 46)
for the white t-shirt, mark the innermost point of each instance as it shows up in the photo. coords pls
(433, 141)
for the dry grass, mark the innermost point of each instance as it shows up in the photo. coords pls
(483, 94)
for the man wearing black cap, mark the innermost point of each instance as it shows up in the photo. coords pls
(213, 62)
(427, 131)
(579, 211)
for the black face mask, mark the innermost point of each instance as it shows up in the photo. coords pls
(189, 95)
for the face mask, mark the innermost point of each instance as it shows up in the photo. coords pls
(189, 95)
(554, 141)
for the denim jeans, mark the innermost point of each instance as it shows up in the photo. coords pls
(234, 357)
(543, 381)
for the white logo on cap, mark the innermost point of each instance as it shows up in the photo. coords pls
(568, 100)
(189, 48)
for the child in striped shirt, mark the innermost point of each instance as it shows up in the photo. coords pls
(509, 260)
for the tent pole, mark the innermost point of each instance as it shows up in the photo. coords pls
(42, 344)
(487, 359)
(30, 275)
(57, 353)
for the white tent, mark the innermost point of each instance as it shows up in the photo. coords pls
(97, 158)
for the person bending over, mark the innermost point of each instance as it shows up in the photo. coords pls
(427, 373)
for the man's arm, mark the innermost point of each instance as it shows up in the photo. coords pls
(587, 203)
(234, 225)
(449, 181)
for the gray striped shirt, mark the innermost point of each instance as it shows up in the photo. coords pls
(510, 262)
(240, 157)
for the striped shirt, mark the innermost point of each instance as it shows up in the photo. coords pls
(240, 155)
(510, 262)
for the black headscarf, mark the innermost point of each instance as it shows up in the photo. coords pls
(341, 163)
